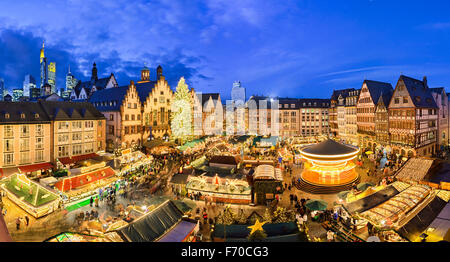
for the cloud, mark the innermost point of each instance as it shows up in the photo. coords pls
(435, 26)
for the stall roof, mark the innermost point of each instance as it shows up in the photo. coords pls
(35, 167)
(74, 159)
(179, 233)
(228, 160)
(6, 172)
(423, 219)
(441, 224)
(371, 201)
(153, 225)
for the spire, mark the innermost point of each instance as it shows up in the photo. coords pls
(69, 69)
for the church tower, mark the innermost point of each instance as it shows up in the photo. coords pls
(158, 72)
(94, 76)
(145, 74)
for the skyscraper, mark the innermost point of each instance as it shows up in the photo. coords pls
(2, 88)
(28, 84)
(52, 77)
(17, 94)
(71, 82)
(44, 68)
(238, 93)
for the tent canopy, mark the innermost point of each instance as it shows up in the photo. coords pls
(153, 225)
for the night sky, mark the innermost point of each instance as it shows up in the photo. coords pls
(285, 48)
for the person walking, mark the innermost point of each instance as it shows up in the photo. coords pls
(91, 201)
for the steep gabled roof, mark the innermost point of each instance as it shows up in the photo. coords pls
(57, 110)
(343, 92)
(14, 109)
(100, 84)
(420, 94)
(144, 89)
(205, 97)
(376, 88)
(109, 99)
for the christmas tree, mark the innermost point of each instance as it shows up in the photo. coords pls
(180, 124)
(228, 217)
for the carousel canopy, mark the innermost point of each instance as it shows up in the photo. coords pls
(329, 147)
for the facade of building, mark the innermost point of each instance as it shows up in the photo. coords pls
(137, 112)
(441, 99)
(333, 111)
(156, 97)
(351, 128)
(382, 136)
(413, 116)
(341, 113)
(25, 134)
(368, 98)
(289, 113)
(261, 117)
(77, 128)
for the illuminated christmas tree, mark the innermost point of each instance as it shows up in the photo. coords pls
(181, 117)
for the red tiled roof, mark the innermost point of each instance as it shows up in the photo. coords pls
(76, 181)
(35, 167)
(74, 159)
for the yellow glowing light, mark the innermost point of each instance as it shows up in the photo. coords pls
(257, 226)
(330, 156)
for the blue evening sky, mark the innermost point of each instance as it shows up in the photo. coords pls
(303, 48)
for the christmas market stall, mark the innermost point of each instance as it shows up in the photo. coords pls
(30, 196)
(396, 208)
(132, 161)
(219, 185)
(267, 183)
(159, 147)
(276, 226)
(84, 179)
(165, 223)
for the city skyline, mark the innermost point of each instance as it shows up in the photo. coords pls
(318, 47)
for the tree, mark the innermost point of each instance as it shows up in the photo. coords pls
(180, 124)
(258, 235)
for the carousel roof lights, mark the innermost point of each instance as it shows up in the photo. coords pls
(329, 149)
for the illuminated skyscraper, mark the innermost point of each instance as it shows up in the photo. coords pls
(17, 94)
(28, 84)
(52, 77)
(44, 68)
(2, 88)
(71, 82)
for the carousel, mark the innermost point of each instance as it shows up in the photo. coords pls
(329, 164)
